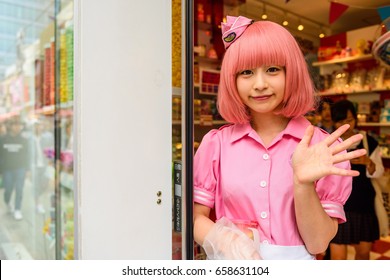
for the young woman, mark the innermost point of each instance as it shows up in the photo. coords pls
(276, 183)
(361, 228)
(324, 109)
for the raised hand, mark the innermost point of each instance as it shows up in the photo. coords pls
(312, 162)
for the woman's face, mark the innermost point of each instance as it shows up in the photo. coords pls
(262, 88)
(326, 113)
(348, 120)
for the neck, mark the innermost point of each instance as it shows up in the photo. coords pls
(327, 123)
(269, 126)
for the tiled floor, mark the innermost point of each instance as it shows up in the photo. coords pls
(381, 249)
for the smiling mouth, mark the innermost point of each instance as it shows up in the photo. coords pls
(261, 98)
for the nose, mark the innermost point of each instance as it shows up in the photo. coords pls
(260, 81)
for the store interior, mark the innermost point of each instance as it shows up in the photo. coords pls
(336, 39)
(37, 80)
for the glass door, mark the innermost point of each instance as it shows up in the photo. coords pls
(182, 129)
(177, 146)
(63, 130)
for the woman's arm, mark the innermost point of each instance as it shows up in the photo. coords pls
(375, 167)
(310, 163)
(202, 222)
(317, 229)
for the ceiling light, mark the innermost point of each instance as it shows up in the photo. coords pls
(285, 21)
(322, 33)
(300, 26)
(264, 15)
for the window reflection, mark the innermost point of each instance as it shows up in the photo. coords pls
(36, 180)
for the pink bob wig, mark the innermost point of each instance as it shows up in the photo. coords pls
(265, 43)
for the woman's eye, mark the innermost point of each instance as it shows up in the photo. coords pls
(246, 72)
(273, 69)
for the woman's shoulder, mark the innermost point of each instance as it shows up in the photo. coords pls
(223, 130)
(224, 133)
(320, 132)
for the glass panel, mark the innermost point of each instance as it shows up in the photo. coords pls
(177, 184)
(36, 208)
(208, 51)
(64, 130)
(27, 132)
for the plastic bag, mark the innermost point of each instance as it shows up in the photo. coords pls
(226, 241)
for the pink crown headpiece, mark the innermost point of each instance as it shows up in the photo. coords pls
(233, 28)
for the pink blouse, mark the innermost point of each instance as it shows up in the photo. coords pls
(247, 182)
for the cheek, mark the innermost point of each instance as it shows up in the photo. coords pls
(242, 88)
(281, 81)
(239, 85)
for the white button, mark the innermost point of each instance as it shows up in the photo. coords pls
(265, 156)
(263, 184)
(263, 215)
(265, 241)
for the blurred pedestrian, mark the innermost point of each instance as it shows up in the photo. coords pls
(15, 153)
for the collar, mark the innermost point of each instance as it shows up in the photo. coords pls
(296, 127)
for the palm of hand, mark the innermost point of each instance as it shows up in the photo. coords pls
(310, 163)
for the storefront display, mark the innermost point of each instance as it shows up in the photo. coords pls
(361, 78)
(31, 93)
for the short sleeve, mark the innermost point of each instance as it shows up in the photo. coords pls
(334, 191)
(206, 169)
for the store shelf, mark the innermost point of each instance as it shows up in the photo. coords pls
(47, 110)
(355, 58)
(206, 60)
(204, 26)
(208, 93)
(378, 91)
(376, 124)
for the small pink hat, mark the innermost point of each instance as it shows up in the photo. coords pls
(233, 28)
